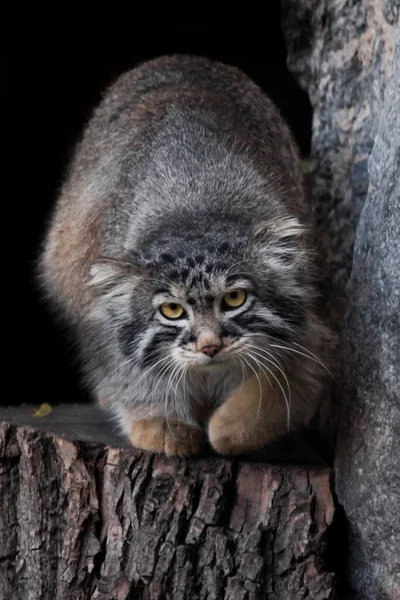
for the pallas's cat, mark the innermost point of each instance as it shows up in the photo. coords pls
(179, 253)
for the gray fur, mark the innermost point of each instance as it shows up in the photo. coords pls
(186, 183)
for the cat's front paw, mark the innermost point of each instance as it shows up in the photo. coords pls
(171, 438)
(228, 435)
(253, 416)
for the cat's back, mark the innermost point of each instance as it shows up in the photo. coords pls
(220, 98)
(185, 127)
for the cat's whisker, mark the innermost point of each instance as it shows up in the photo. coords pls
(176, 368)
(184, 388)
(148, 371)
(243, 373)
(181, 383)
(287, 402)
(259, 385)
(127, 362)
(265, 374)
(159, 379)
(262, 349)
(309, 356)
(178, 380)
(314, 356)
(121, 366)
(277, 366)
(173, 383)
(163, 371)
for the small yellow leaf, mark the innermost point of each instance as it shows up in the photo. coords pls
(43, 411)
(307, 165)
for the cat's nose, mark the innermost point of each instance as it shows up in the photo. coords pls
(210, 350)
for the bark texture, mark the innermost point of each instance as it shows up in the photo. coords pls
(80, 520)
(346, 53)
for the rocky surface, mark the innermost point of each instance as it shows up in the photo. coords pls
(341, 52)
(368, 448)
(347, 55)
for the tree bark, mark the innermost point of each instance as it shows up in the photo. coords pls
(83, 520)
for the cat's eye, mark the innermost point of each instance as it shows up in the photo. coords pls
(172, 310)
(234, 299)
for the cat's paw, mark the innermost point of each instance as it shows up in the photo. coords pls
(227, 434)
(182, 440)
(171, 438)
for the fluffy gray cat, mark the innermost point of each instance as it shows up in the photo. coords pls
(179, 253)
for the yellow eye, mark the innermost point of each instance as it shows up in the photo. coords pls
(171, 310)
(234, 299)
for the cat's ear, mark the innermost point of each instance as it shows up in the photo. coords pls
(282, 230)
(108, 273)
(281, 244)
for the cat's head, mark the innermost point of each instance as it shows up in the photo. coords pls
(205, 302)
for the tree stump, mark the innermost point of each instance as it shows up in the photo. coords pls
(82, 516)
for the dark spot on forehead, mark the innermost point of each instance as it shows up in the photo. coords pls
(181, 254)
(211, 247)
(199, 258)
(191, 301)
(223, 247)
(167, 257)
(206, 284)
(209, 268)
(185, 273)
(190, 262)
(173, 275)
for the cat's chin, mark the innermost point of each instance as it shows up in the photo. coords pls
(211, 366)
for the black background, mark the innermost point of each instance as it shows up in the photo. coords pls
(54, 78)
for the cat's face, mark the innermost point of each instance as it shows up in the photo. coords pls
(206, 320)
(201, 310)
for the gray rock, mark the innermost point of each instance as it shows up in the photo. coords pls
(368, 448)
(343, 53)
